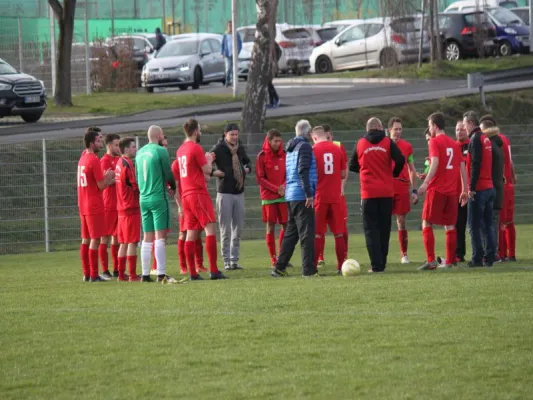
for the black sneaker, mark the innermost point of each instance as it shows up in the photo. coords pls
(217, 275)
(196, 278)
(98, 279)
(146, 278)
(86, 278)
(472, 264)
(339, 272)
(115, 274)
(236, 266)
(276, 273)
(511, 259)
(488, 265)
(106, 274)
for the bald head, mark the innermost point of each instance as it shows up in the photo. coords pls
(374, 124)
(155, 134)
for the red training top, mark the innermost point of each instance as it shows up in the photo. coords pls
(270, 171)
(330, 162)
(126, 186)
(402, 182)
(375, 169)
(191, 159)
(110, 193)
(446, 150)
(90, 200)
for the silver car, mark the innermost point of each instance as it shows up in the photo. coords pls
(188, 61)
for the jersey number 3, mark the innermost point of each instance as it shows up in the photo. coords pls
(183, 166)
(328, 164)
(449, 153)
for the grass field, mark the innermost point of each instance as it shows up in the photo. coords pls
(438, 70)
(439, 335)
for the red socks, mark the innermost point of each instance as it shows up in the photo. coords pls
(211, 249)
(121, 267)
(271, 246)
(510, 232)
(340, 251)
(345, 236)
(181, 256)
(84, 255)
(429, 243)
(190, 250)
(93, 263)
(199, 254)
(402, 238)
(114, 255)
(132, 266)
(281, 235)
(320, 244)
(102, 251)
(451, 245)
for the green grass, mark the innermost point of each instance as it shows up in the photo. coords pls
(438, 70)
(132, 103)
(436, 335)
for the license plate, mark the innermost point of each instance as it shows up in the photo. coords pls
(525, 43)
(32, 99)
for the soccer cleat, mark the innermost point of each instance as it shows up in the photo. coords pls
(115, 274)
(124, 278)
(439, 260)
(236, 266)
(227, 266)
(317, 275)
(153, 272)
(135, 278)
(428, 266)
(165, 279)
(339, 272)
(201, 268)
(217, 276)
(86, 279)
(276, 273)
(405, 260)
(106, 275)
(446, 266)
(321, 264)
(196, 278)
(146, 279)
(98, 279)
(511, 259)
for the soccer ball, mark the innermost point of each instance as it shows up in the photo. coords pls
(350, 268)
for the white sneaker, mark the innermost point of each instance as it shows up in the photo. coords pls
(405, 260)
(227, 266)
(153, 272)
(105, 278)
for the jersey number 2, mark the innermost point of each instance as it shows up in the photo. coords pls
(82, 178)
(183, 166)
(449, 153)
(328, 163)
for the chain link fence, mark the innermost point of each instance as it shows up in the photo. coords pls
(38, 203)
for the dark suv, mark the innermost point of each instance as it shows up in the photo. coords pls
(20, 94)
(469, 33)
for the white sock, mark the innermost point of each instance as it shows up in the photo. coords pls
(160, 256)
(146, 257)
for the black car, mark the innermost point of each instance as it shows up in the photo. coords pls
(464, 34)
(20, 94)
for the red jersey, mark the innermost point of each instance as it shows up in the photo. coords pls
(176, 172)
(507, 168)
(463, 146)
(270, 172)
(90, 200)
(191, 159)
(126, 187)
(402, 182)
(375, 169)
(484, 147)
(330, 162)
(110, 192)
(446, 150)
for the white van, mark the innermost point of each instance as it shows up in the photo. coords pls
(471, 5)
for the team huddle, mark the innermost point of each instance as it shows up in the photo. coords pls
(302, 190)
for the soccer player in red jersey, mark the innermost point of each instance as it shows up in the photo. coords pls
(462, 213)
(194, 201)
(129, 211)
(270, 175)
(331, 170)
(405, 191)
(109, 162)
(440, 205)
(91, 182)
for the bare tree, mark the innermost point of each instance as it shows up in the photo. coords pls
(65, 19)
(253, 113)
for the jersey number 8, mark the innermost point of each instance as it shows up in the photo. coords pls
(328, 164)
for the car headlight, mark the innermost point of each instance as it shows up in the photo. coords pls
(183, 67)
(5, 86)
(510, 31)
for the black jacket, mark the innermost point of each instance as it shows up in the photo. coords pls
(476, 153)
(375, 137)
(223, 162)
(160, 41)
(497, 165)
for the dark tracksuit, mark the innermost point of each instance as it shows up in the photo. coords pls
(372, 159)
(462, 216)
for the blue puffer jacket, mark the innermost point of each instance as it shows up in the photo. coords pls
(301, 170)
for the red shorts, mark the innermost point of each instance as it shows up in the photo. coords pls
(276, 213)
(507, 211)
(111, 222)
(401, 203)
(330, 215)
(92, 226)
(129, 229)
(440, 209)
(198, 211)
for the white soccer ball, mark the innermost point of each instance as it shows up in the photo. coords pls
(350, 267)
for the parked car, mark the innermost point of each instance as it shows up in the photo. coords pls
(373, 42)
(20, 94)
(464, 34)
(512, 33)
(523, 13)
(186, 62)
(341, 24)
(321, 35)
(142, 45)
(471, 5)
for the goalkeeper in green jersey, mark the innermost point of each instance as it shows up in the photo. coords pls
(153, 172)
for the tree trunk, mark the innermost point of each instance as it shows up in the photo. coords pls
(65, 19)
(253, 113)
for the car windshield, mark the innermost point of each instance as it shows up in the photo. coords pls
(327, 33)
(405, 25)
(6, 69)
(523, 14)
(504, 16)
(247, 34)
(178, 48)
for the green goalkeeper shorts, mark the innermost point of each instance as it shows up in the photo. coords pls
(155, 215)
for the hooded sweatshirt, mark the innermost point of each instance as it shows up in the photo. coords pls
(497, 164)
(301, 170)
(224, 163)
(372, 159)
(270, 173)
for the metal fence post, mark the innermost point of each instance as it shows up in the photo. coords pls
(87, 56)
(20, 43)
(53, 59)
(45, 197)
(137, 142)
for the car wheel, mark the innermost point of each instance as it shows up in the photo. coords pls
(323, 65)
(388, 58)
(505, 49)
(150, 89)
(33, 117)
(183, 87)
(453, 51)
(197, 78)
